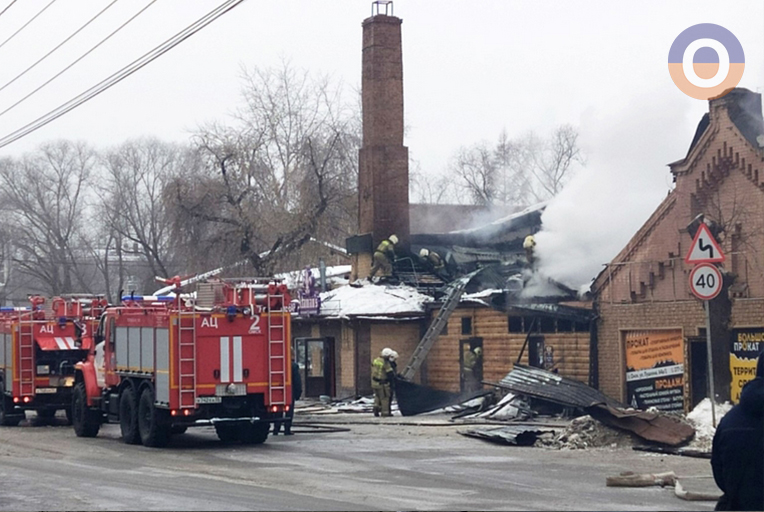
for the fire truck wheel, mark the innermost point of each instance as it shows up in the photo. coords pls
(85, 420)
(128, 416)
(226, 433)
(6, 404)
(254, 433)
(152, 422)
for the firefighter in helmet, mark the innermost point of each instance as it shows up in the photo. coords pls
(384, 257)
(529, 244)
(472, 369)
(432, 260)
(382, 376)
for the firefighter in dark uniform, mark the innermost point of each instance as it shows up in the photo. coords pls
(382, 375)
(384, 257)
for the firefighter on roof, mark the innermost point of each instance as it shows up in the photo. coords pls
(382, 376)
(529, 244)
(384, 257)
(432, 260)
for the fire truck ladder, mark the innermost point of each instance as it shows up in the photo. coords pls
(187, 358)
(26, 357)
(277, 348)
(433, 331)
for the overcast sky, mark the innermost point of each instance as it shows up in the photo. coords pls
(471, 69)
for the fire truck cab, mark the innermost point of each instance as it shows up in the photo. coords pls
(161, 364)
(39, 348)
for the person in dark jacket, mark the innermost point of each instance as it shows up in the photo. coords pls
(296, 394)
(737, 457)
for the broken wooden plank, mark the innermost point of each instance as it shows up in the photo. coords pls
(629, 479)
(681, 493)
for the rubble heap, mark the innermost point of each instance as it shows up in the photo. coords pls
(586, 432)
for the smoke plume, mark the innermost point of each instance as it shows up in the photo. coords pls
(624, 180)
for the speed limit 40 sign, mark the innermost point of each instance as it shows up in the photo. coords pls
(705, 281)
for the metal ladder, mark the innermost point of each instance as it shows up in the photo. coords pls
(277, 347)
(187, 359)
(26, 358)
(433, 331)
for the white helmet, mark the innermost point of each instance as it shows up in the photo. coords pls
(386, 352)
(394, 355)
(424, 253)
(393, 239)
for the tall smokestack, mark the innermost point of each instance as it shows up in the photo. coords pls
(383, 178)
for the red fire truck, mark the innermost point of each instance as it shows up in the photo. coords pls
(39, 348)
(162, 364)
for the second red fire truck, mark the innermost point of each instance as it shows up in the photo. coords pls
(163, 364)
(39, 349)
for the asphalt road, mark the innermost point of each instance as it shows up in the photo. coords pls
(374, 466)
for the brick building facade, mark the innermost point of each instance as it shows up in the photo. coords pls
(644, 293)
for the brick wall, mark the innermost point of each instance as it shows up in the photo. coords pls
(383, 178)
(500, 348)
(647, 285)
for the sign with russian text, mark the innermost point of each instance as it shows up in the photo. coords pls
(655, 369)
(746, 345)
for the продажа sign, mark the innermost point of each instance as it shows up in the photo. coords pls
(655, 369)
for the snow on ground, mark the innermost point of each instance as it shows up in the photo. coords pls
(372, 300)
(701, 419)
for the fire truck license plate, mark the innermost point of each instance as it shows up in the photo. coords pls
(208, 399)
(44, 391)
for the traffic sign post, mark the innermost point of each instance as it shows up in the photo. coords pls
(705, 284)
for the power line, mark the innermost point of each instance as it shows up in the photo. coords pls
(27, 23)
(7, 7)
(121, 74)
(62, 43)
(77, 59)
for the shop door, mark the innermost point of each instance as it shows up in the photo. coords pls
(315, 357)
(698, 370)
(536, 351)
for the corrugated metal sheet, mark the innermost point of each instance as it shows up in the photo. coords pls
(538, 383)
(544, 385)
(514, 434)
(653, 426)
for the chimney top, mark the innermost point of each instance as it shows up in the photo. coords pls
(378, 5)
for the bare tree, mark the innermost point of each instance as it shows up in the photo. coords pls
(44, 199)
(134, 207)
(271, 181)
(552, 159)
(429, 189)
(517, 172)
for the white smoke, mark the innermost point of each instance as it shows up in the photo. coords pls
(624, 180)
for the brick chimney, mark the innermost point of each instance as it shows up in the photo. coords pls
(383, 178)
